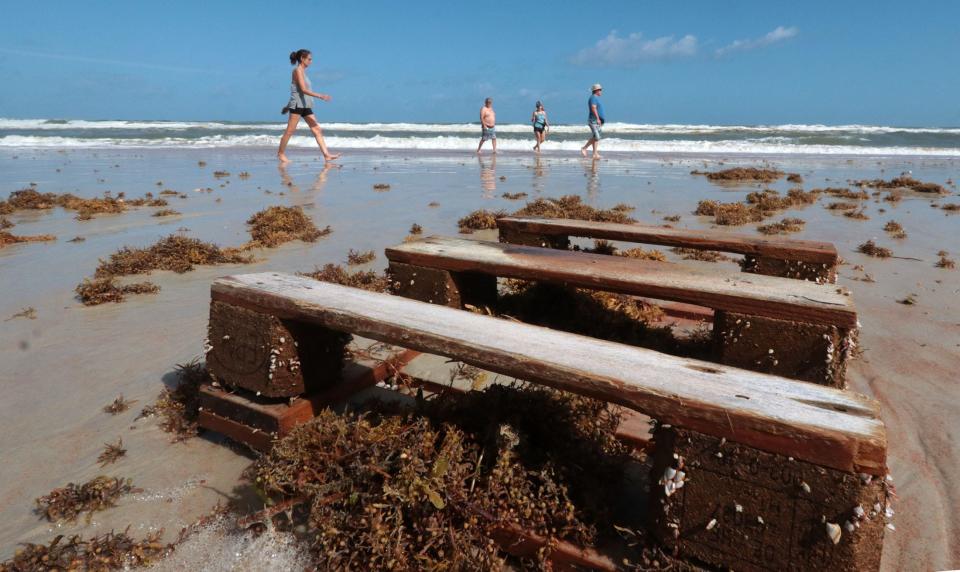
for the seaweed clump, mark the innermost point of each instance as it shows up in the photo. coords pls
(514, 196)
(110, 551)
(428, 490)
(178, 407)
(355, 257)
(111, 452)
(366, 280)
(895, 229)
(5, 223)
(944, 262)
(743, 174)
(480, 220)
(119, 405)
(785, 226)
(166, 212)
(101, 290)
(572, 207)
(8, 238)
(176, 253)
(69, 502)
(699, 254)
(870, 248)
(904, 181)
(951, 207)
(276, 225)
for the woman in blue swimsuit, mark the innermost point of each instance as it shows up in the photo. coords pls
(539, 120)
(299, 105)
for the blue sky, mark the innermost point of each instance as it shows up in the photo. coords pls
(660, 62)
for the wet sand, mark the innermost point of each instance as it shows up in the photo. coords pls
(58, 371)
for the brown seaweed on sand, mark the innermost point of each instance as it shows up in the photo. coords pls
(367, 280)
(844, 193)
(276, 225)
(794, 178)
(904, 181)
(176, 253)
(381, 187)
(572, 207)
(785, 226)
(895, 229)
(69, 502)
(951, 207)
(110, 551)
(857, 214)
(29, 313)
(870, 248)
(427, 489)
(356, 257)
(416, 229)
(7, 238)
(514, 196)
(119, 405)
(111, 452)
(842, 206)
(699, 254)
(94, 291)
(178, 407)
(5, 223)
(749, 174)
(480, 220)
(944, 262)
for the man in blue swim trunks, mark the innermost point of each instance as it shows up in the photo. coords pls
(488, 125)
(595, 120)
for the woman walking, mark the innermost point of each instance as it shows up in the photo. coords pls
(539, 120)
(301, 100)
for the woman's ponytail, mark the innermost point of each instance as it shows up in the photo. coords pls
(298, 55)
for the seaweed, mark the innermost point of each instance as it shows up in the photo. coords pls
(572, 207)
(904, 181)
(944, 262)
(895, 229)
(366, 280)
(416, 229)
(221, 174)
(951, 207)
(844, 193)
(480, 220)
(785, 226)
(5, 223)
(111, 452)
(7, 238)
(433, 204)
(426, 489)
(29, 313)
(109, 551)
(514, 196)
(166, 212)
(179, 407)
(176, 253)
(870, 248)
(743, 174)
(857, 214)
(794, 178)
(69, 502)
(672, 218)
(700, 254)
(381, 187)
(842, 206)
(276, 225)
(355, 257)
(100, 290)
(119, 405)
(642, 254)
(77, 239)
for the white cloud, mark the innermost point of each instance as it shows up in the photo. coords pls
(633, 50)
(779, 34)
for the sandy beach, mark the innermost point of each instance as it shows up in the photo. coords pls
(59, 370)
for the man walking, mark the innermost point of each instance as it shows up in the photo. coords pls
(595, 120)
(488, 125)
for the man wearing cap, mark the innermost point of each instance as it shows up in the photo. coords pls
(488, 125)
(595, 120)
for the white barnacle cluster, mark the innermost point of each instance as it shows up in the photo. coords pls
(207, 346)
(672, 480)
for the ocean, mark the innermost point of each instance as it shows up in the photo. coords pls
(618, 137)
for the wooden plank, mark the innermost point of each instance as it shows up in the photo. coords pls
(784, 248)
(754, 294)
(822, 425)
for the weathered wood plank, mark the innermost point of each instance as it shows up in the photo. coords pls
(822, 425)
(753, 294)
(788, 249)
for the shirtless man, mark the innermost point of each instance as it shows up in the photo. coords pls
(488, 125)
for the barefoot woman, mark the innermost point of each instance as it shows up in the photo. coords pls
(301, 99)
